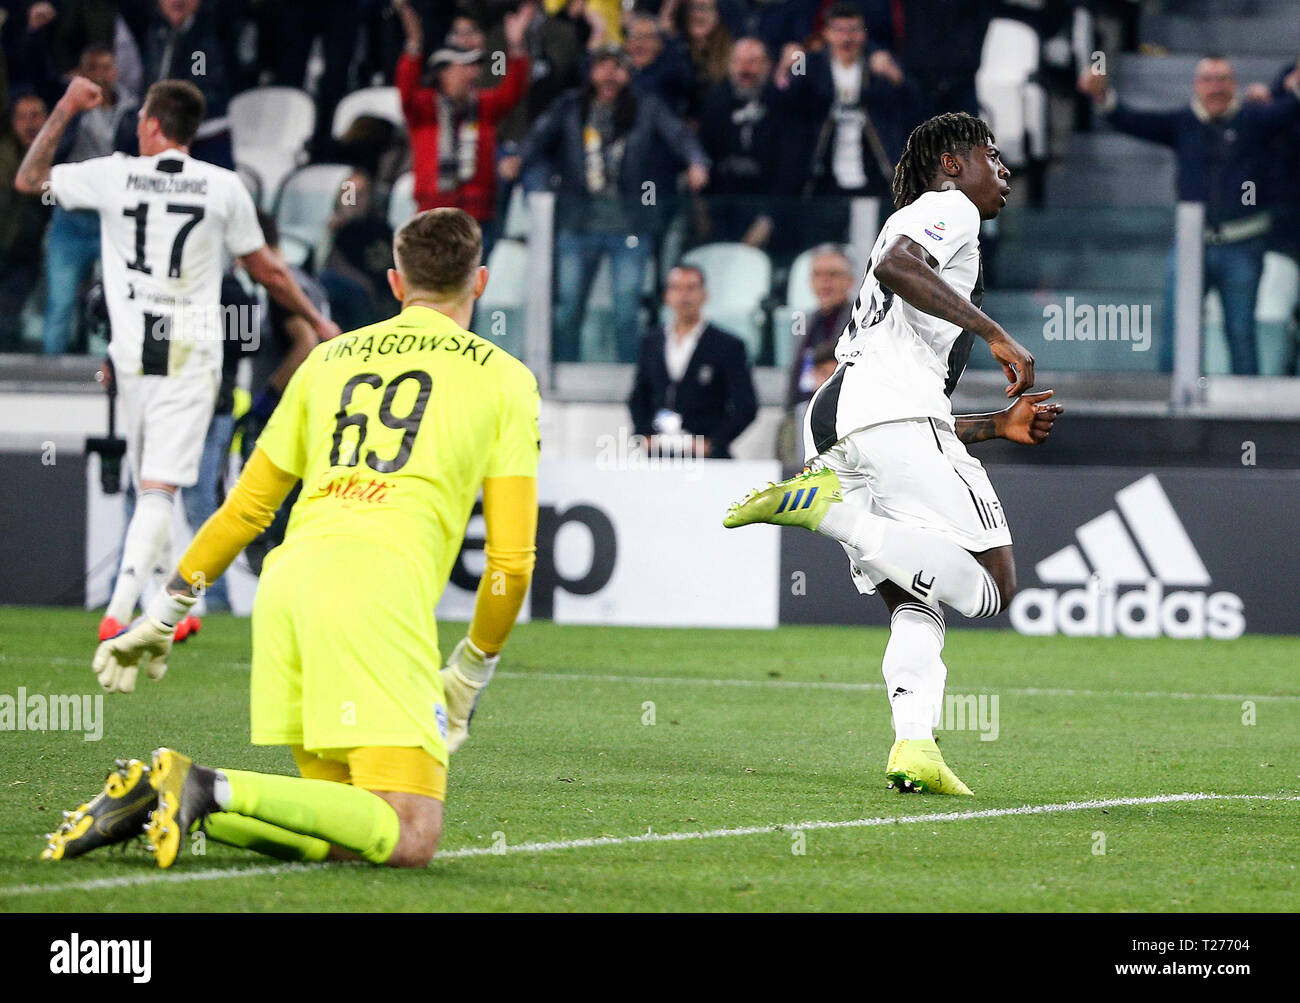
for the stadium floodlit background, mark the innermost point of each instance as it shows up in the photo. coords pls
(1156, 282)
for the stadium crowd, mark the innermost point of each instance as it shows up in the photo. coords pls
(658, 123)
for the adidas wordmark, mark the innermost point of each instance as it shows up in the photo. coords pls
(1149, 551)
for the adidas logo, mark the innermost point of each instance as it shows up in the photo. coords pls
(1122, 564)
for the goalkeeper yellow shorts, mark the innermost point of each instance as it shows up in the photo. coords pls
(345, 651)
(377, 768)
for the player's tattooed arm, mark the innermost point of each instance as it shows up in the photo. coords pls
(977, 427)
(907, 269)
(34, 172)
(1028, 420)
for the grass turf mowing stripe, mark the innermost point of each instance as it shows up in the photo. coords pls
(808, 684)
(653, 837)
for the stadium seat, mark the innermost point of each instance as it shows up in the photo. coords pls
(381, 102)
(499, 313)
(401, 201)
(799, 299)
(269, 130)
(739, 279)
(306, 202)
(1015, 105)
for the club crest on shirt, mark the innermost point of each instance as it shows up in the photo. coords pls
(705, 375)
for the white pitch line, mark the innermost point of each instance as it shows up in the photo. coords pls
(807, 684)
(1029, 691)
(857, 823)
(653, 837)
(165, 877)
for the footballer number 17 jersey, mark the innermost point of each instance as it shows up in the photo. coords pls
(166, 224)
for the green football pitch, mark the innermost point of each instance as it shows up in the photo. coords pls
(649, 769)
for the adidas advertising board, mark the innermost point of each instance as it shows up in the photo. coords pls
(1133, 571)
(1110, 551)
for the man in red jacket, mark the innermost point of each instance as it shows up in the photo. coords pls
(453, 124)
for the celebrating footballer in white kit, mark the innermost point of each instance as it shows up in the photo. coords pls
(167, 223)
(888, 473)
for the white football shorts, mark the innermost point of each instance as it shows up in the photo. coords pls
(165, 422)
(916, 471)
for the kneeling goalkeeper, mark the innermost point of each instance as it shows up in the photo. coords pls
(392, 429)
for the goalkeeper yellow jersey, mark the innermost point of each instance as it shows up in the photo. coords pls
(393, 429)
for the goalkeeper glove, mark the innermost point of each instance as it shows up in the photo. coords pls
(119, 659)
(464, 677)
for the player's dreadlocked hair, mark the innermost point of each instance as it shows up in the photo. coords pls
(955, 132)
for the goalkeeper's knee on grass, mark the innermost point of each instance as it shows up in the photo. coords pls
(393, 828)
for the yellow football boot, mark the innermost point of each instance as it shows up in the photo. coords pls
(801, 500)
(917, 765)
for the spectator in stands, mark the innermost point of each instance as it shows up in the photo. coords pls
(239, 311)
(72, 246)
(597, 21)
(658, 67)
(708, 42)
(300, 23)
(1278, 189)
(453, 124)
(465, 33)
(833, 278)
(27, 35)
(190, 40)
(869, 108)
(601, 142)
(692, 379)
(85, 24)
(285, 338)
(361, 251)
(555, 54)
(22, 220)
(941, 47)
(376, 147)
(1220, 144)
(872, 109)
(744, 122)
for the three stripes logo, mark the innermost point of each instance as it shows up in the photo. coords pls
(1121, 565)
(799, 501)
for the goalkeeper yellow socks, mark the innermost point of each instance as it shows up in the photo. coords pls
(263, 837)
(340, 814)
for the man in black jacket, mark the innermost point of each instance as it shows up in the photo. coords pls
(603, 143)
(193, 41)
(866, 107)
(1220, 144)
(693, 392)
(745, 122)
